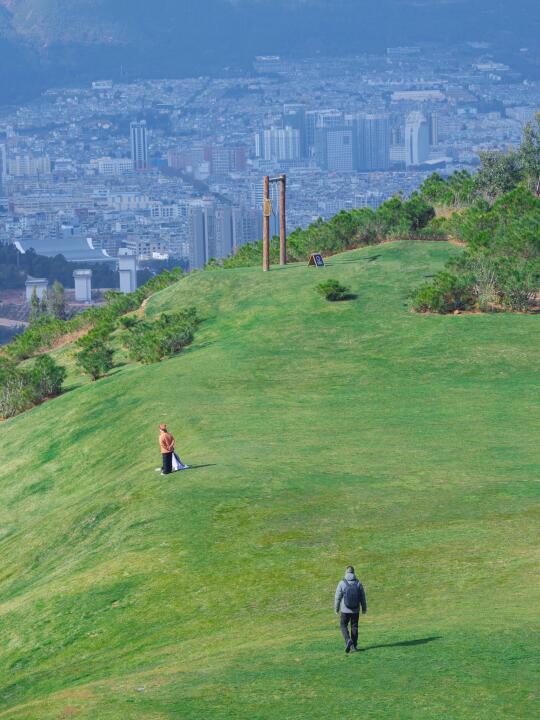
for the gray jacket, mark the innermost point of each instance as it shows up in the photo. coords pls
(339, 602)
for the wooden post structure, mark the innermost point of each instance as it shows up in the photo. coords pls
(283, 220)
(267, 209)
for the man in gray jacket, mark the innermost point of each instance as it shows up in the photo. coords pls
(350, 597)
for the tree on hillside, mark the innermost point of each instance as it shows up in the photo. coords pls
(35, 307)
(44, 306)
(56, 301)
(530, 154)
(21, 387)
(96, 359)
(500, 173)
(459, 190)
(47, 377)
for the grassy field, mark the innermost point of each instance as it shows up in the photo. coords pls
(321, 434)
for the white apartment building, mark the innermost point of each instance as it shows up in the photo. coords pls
(112, 167)
(127, 201)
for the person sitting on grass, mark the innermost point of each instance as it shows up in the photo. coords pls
(350, 596)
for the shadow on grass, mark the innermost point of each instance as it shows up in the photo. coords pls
(345, 298)
(349, 261)
(404, 643)
(198, 467)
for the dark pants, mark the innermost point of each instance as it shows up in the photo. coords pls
(344, 621)
(167, 463)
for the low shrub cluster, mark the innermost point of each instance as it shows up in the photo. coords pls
(23, 387)
(150, 342)
(333, 290)
(447, 293)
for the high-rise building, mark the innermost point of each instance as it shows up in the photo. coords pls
(294, 115)
(396, 135)
(212, 232)
(139, 145)
(320, 119)
(330, 118)
(416, 139)
(336, 148)
(247, 226)
(225, 159)
(278, 144)
(373, 142)
(3, 163)
(197, 252)
(223, 232)
(433, 128)
(311, 124)
(341, 149)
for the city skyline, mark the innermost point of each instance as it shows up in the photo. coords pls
(149, 166)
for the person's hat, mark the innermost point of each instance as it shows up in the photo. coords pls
(162, 426)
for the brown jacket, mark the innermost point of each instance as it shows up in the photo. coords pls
(166, 442)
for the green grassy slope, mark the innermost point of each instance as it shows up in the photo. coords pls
(324, 434)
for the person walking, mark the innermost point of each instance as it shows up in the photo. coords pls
(350, 597)
(166, 445)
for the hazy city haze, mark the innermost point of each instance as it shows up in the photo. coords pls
(48, 42)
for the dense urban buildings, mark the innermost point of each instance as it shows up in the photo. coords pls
(171, 170)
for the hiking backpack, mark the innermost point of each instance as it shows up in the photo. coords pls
(351, 596)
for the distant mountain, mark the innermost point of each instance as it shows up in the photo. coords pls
(45, 42)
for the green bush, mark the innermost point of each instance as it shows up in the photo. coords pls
(333, 290)
(100, 333)
(518, 284)
(46, 376)
(23, 387)
(128, 321)
(95, 359)
(150, 342)
(447, 292)
(459, 190)
(14, 392)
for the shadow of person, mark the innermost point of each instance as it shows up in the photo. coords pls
(198, 467)
(404, 643)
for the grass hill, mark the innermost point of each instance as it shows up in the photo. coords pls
(320, 434)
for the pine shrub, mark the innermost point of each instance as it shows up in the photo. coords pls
(334, 291)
